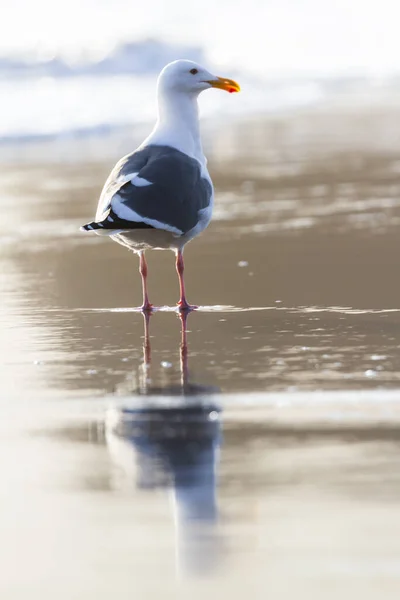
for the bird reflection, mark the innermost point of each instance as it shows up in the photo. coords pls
(173, 442)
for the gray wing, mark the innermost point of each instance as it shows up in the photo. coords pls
(158, 186)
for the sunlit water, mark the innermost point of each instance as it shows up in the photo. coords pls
(257, 442)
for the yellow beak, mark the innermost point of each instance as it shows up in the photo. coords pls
(223, 83)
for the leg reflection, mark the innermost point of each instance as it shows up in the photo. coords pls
(184, 352)
(175, 446)
(145, 367)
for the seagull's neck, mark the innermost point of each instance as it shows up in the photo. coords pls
(178, 123)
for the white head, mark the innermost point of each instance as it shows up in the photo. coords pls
(188, 77)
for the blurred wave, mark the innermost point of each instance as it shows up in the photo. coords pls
(53, 99)
(132, 58)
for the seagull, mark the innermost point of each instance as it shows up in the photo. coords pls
(161, 195)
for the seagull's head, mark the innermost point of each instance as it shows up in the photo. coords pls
(189, 77)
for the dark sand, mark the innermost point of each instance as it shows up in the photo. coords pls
(293, 370)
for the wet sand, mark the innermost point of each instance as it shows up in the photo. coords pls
(264, 450)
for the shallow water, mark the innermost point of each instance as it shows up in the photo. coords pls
(260, 446)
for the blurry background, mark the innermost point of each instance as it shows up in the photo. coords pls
(86, 69)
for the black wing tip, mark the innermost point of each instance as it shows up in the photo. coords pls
(115, 224)
(91, 226)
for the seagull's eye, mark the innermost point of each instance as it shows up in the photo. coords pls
(193, 71)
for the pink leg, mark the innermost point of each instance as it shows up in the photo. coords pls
(180, 267)
(143, 271)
